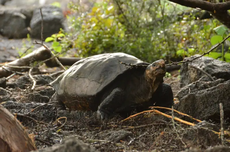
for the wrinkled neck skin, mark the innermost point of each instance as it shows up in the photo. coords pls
(153, 82)
(143, 90)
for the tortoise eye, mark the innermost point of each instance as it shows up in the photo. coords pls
(154, 64)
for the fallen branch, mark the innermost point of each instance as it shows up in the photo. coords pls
(23, 64)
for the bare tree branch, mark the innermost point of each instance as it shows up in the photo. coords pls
(223, 17)
(208, 6)
(218, 10)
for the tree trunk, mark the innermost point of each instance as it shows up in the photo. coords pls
(13, 137)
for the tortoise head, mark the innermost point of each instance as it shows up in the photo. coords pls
(154, 73)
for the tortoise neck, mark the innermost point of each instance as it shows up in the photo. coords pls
(145, 83)
(153, 83)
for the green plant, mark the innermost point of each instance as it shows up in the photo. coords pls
(140, 28)
(146, 29)
(27, 47)
(220, 32)
(196, 35)
(56, 45)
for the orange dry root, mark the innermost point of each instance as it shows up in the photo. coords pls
(161, 113)
(136, 115)
(175, 118)
(181, 113)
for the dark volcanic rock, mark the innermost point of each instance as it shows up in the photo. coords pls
(196, 86)
(2, 2)
(204, 103)
(4, 95)
(215, 68)
(201, 96)
(3, 82)
(53, 21)
(70, 144)
(14, 22)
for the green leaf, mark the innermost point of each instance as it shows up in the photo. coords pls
(57, 4)
(227, 57)
(214, 55)
(56, 46)
(60, 35)
(181, 52)
(191, 50)
(220, 30)
(216, 39)
(49, 39)
(54, 35)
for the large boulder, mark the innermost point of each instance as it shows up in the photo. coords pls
(193, 71)
(14, 22)
(204, 103)
(53, 21)
(2, 2)
(200, 96)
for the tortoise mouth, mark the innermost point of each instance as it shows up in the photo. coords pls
(160, 70)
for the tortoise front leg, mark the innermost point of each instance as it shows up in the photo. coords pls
(110, 104)
(163, 96)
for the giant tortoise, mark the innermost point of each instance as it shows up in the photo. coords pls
(113, 83)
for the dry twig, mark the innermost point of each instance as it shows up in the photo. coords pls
(203, 72)
(141, 126)
(41, 25)
(174, 127)
(32, 78)
(221, 123)
(58, 121)
(28, 117)
(53, 56)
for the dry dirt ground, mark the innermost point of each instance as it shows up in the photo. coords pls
(145, 132)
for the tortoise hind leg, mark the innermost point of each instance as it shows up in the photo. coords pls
(109, 105)
(56, 102)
